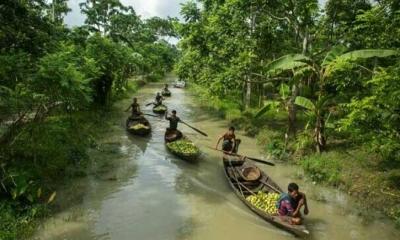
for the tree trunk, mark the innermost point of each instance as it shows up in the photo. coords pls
(319, 136)
(295, 91)
(248, 93)
(293, 110)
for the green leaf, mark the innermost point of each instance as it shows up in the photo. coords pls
(333, 54)
(30, 198)
(263, 110)
(52, 197)
(305, 103)
(368, 53)
(14, 194)
(287, 62)
(284, 91)
(357, 55)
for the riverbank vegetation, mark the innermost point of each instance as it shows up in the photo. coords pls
(56, 84)
(317, 85)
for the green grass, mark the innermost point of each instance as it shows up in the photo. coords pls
(325, 167)
(18, 220)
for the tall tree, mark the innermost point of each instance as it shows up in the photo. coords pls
(99, 13)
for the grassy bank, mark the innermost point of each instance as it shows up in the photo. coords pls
(346, 165)
(47, 157)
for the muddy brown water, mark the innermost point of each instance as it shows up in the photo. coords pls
(137, 190)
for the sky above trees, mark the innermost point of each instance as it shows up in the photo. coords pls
(145, 8)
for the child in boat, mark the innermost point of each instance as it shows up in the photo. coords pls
(136, 113)
(290, 204)
(229, 141)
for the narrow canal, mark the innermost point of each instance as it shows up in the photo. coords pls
(137, 190)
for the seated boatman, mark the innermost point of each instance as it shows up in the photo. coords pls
(166, 88)
(136, 113)
(159, 99)
(290, 204)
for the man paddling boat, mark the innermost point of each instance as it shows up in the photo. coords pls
(290, 204)
(166, 88)
(136, 113)
(159, 100)
(230, 143)
(173, 123)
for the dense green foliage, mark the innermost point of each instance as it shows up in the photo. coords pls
(333, 70)
(336, 64)
(55, 83)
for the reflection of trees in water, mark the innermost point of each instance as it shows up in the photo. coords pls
(110, 167)
(140, 142)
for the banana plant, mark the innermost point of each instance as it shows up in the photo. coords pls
(316, 111)
(282, 103)
(303, 67)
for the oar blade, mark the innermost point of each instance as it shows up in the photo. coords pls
(261, 161)
(151, 115)
(250, 158)
(197, 130)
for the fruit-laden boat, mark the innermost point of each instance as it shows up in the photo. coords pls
(166, 93)
(138, 126)
(160, 109)
(181, 146)
(258, 191)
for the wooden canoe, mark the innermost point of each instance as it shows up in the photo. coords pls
(232, 168)
(166, 93)
(132, 126)
(175, 135)
(160, 109)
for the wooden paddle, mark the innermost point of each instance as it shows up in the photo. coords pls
(197, 130)
(251, 158)
(151, 115)
(149, 104)
(269, 185)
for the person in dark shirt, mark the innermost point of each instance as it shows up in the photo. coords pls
(166, 88)
(159, 99)
(290, 204)
(173, 123)
(229, 140)
(136, 113)
(173, 120)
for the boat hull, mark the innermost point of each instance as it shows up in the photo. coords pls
(265, 184)
(130, 123)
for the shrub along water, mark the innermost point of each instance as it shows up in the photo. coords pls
(57, 87)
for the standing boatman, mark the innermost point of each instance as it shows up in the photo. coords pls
(173, 123)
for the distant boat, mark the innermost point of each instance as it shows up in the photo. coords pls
(180, 84)
(166, 93)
